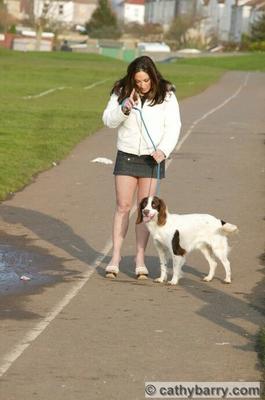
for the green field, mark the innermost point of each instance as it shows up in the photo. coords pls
(37, 131)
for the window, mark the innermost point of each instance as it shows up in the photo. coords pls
(45, 8)
(60, 9)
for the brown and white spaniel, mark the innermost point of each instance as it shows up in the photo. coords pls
(177, 235)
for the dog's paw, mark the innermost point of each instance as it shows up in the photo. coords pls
(173, 282)
(207, 278)
(227, 280)
(159, 280)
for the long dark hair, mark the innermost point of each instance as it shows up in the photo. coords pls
(159, 86)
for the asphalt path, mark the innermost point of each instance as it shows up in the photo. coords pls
(81, 336)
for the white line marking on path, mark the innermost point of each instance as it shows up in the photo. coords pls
(213, 110)
(29, 338)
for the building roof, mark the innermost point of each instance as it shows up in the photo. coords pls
(206, 2)
(136, 2)
(259, 4)
(86, 1)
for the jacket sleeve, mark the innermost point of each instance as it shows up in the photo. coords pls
(172, 125)
(113, 115)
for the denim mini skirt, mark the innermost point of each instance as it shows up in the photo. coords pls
(139, 166)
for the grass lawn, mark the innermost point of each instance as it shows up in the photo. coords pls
(37, 131)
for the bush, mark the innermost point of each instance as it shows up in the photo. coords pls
(147, 31)
(249, 44)
(258, 29)
(105, 32)
(257, 46)
(230, 46)
(12, 29)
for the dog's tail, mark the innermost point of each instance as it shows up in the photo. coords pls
(227, 228)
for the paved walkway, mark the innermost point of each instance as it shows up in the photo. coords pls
(83, 337)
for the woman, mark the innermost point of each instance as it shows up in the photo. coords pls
(144, 88)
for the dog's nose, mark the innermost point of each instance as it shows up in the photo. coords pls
(146, 212)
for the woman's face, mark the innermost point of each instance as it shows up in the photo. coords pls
(142, 82)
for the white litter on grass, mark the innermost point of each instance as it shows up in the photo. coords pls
(25, 278)
(54, 164)
(102, 160)
(222, 344)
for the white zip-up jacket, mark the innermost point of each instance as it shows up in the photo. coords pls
(162, 121)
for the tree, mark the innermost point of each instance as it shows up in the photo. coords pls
(179, 28)
(7, 21)
(103, 22)
(258, 29)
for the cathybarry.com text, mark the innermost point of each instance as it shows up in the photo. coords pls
(203, 390)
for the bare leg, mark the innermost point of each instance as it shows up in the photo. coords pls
(125, 189)
(146, 187)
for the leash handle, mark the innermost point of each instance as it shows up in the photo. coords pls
(154, 146)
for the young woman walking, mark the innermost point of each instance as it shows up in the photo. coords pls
(136, 164)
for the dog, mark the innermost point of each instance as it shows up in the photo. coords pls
(177, 235)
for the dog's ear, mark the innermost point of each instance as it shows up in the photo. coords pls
(162, 215)
(140, 214)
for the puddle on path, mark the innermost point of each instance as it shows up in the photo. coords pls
(16, 263)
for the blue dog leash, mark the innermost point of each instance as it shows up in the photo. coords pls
(154, 146)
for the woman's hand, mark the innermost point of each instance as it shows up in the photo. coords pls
(158, 156)
(128, 103)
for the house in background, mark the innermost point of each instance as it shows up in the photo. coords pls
(252, 11)
(83, 9)
(215, 18)
(160, 11)
(186, 7)
(134, 11)
(228, 19)
(164, 11)
(19, 9)
(67, 12)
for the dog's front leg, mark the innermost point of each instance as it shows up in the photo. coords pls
(178, 262)
(163, 262)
